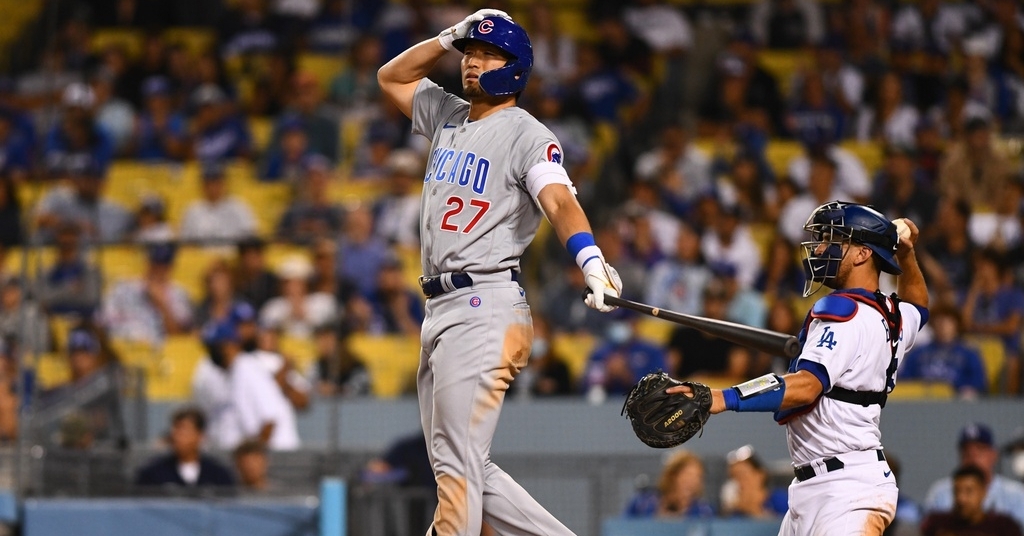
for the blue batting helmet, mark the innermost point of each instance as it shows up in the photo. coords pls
(837, 222)
(512, 39)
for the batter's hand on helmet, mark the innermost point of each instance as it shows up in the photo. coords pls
(601, 278)
(461, 29)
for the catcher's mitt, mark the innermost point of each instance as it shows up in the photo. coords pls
(662, 420)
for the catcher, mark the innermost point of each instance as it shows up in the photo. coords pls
(831, 399)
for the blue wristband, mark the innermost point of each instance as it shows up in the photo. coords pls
(577, 242)
(769, 401)
(732, 398)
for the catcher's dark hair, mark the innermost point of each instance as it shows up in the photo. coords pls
(970, 471)
(190, 413)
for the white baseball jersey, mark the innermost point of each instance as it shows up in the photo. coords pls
(853, 350)
(476, 213)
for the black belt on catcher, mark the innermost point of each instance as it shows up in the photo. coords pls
(440, 284)
(806, 472)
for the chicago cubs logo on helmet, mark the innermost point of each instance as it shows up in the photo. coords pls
(511, 38)
(554, 154)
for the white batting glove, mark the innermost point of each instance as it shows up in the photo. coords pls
(461, 29)
(601, 278)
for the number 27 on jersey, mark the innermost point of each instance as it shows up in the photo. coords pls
(476, 208)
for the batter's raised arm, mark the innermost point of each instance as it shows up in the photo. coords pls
(399, 77)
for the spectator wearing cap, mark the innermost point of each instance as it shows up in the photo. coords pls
(77, 131)
(977, 449)
(313, 216)
(307, 107)
(946, 358)
(677, 166)
(676, 282)
(216, 131)
(257, 409)
(973, 170)
(787, 24)
(371, 156)
(890, 119)
(620, 359)
(729, 241)
(746, 493)
(82, 202)
(185, 465)
(72, 285)
(217, 217)
(969, 515)
(287, 160)
(297, 310)
(22, 322)
(360, 253)
(603, 89)
(821, 188)
(151, 223)
(396, 213)
(397, 309)
(148, 309)
(161, 131)
(253, 281)
(901, 189)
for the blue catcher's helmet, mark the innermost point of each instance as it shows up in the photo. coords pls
(511, 38)
(837, 222)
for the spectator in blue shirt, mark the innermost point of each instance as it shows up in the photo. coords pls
(946, 358)
(396, 308)
(314, 215)
(992, 306)
(218, 133)
(161, 131)
(71, 285)
(603, 90)
(746, 494)
(622, 359)
(307, 107)
(360, 253)
(679, 492)
(15, 150)
(77, 131)
(286, 160)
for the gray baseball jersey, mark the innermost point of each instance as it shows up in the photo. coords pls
(476, 214)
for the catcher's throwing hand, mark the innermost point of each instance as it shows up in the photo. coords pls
(717, 401)
(661, 420)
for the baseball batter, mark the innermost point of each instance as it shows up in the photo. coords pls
(831, 399)
(493, 171)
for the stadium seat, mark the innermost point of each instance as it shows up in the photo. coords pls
(120, 263)
(654, 330)
(261, 129)
(780, 153)
(574, 22)
(783, 65)
(870, 154)
(39, 259)
(52, 369)
(350, 191)
(190, 266)
(181, 354)
(302, 351)
(575, 348)
(195, 40)
(921, 390)
(128, 39)
(993, 354)
(323, 67)
(391, 361)
(60, 327)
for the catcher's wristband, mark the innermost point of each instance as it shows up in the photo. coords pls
(764, 393)
(583, 248)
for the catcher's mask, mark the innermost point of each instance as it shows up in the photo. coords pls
(837, 223)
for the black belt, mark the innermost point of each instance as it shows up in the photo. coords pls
(433, 287)
(831, 464)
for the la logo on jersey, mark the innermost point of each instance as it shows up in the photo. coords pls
(828, 338)
(554, 154)
(485, 26)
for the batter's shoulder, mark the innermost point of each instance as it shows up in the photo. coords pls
(834, 308)
(526, 122)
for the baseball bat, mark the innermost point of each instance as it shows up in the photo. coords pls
(764, 340)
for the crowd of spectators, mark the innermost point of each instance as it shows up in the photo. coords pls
(634, 97)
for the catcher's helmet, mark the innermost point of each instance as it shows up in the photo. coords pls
(511, 38)
(836, 222)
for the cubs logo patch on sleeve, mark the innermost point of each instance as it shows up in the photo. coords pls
(554, 154)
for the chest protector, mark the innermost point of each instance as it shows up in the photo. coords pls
(889, 308)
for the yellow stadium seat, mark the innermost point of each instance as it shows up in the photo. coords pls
(392, 362)
(921, 390)
(783, 65)
(763, 234)
(352, 191)
(869, 153)
(39, 259)
(654, 330)
(301, 350)
(269, 201)
(575, 349)
(780, 153)
(261, 129)
(60, 327)
(190, 267)
(181, 354)
(276, 253)
(52, 369)
(120, 263)
(412, 267)
(322, 66)
(195, 40)
(128, 39)
(993, 354)
(574, 22)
